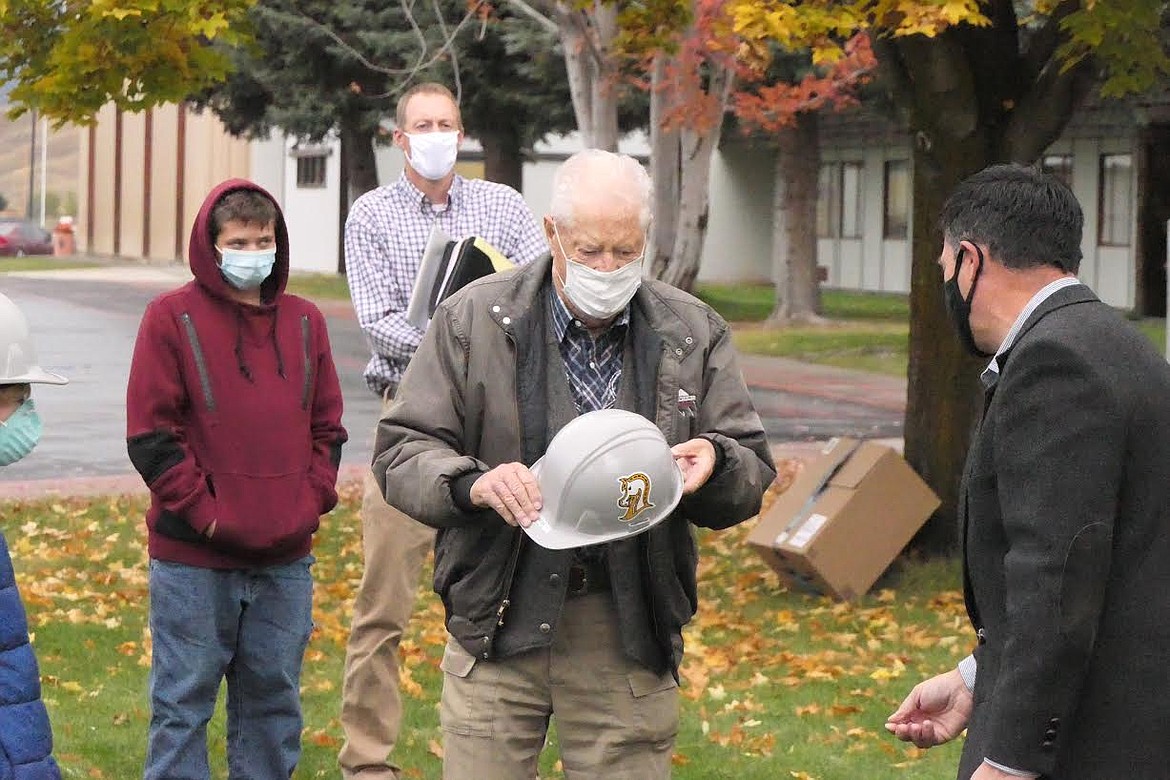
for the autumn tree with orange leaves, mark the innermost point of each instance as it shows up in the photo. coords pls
(982, 83)
(787, 108)
(688, 56)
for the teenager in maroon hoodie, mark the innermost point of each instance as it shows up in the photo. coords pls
(234, 422)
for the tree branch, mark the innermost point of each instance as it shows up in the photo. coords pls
(537, 16)
(893, 74)
(422, 63)
(1044, 110)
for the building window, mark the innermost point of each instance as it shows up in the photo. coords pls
(839, 193)
(1115, 202)
(1060, 166)
(896, 198)
(311, 171)
(828, 198)
(851, 200)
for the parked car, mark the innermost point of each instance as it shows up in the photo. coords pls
(20, 237)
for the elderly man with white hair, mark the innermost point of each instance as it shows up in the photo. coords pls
(592, 636)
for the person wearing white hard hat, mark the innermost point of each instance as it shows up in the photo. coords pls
(26, 744)
(567, 582)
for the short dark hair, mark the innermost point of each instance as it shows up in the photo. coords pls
(1025, 217)
(247, 206)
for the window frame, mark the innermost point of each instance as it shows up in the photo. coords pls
(312, 171)
(1108, 224)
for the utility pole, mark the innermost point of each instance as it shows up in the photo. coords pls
(44, 166)
(32, 164)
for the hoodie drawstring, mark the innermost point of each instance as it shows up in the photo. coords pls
(243, 366)
(276, 346)
(240, 362)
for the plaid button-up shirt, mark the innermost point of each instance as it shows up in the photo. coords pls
(593, 366)
(385, 236)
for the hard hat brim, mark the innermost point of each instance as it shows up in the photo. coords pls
(547, 535)
(35, 376)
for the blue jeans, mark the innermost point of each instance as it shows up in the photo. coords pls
(250, 626)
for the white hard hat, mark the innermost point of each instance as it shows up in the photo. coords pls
(18, 359)
(606, 475)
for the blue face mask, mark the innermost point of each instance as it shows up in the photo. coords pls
(19, 433)
(246, 270)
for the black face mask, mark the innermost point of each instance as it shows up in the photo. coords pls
(959, 308)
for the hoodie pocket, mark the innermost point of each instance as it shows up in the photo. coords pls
(265, 513)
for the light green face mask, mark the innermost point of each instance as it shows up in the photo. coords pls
(20, 433)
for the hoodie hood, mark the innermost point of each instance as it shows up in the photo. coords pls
(204, 259)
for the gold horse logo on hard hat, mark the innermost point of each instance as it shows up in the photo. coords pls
(635, 498)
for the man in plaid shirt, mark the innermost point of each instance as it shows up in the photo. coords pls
(385, 236)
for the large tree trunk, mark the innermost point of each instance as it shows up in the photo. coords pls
(586, 37)
(503, 158)
(605, 86)
(361, 170)
(794, 220)
(697, 146)
(664, 171)
(975, 99)
(943, 395)
(359, 173)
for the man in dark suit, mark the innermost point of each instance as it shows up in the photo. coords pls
(1064, 506)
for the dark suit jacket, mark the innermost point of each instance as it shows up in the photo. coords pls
(1065, 513)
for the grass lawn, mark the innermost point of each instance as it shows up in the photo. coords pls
(41, 263)
(776, 684)
(865, 331)
(326, 286)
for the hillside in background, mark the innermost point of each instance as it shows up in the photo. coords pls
(63, 168)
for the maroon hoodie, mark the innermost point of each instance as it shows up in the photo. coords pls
(233, 414)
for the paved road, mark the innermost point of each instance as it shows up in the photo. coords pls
(85, 327)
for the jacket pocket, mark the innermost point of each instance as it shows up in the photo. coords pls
(173, 526)
(265, 513)
(470, 690)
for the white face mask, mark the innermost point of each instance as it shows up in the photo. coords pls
(599, 295)
(432, 155)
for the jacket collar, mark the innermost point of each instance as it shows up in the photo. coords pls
(1067, 296)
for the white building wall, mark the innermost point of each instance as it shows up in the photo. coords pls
(738, 244)
(268, 166)
(313, 214)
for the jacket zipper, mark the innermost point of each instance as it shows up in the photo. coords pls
(510, 572)
(505, 602)
(305, 337)
(200, 361)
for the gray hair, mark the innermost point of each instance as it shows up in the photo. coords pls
(595, 174)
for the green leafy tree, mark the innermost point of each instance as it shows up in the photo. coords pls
(979, 83)
(322, 67)
(69, 58)
(317, 67)
(514, 91)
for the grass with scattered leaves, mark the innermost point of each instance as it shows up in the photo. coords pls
(775, 684)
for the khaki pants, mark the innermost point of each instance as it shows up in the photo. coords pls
(394, 548)
(615, 719)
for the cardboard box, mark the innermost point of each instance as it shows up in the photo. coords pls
(848, 514)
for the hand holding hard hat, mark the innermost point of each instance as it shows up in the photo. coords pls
(607, 475)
